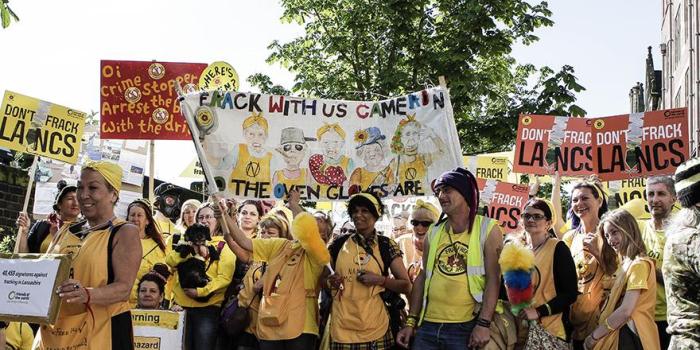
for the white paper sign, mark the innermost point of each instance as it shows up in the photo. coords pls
(158, 329)
(27, 286)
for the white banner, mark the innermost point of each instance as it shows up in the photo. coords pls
(27, 286)
(158, 329)
(259, 146)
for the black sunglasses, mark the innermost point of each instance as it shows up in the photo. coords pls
(288, 147)
(421, 223)
(347, 230)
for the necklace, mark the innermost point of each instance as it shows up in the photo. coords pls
(87, 228)
(534, 249)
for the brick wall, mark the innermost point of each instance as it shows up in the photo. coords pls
(13, 187)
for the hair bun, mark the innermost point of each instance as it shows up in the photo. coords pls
(162, 270)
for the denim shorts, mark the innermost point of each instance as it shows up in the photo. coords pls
(443, 336)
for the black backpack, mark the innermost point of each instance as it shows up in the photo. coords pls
(396, 307)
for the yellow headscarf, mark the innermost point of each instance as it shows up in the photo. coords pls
(328, 127)
(110, 171)
(421, 204)
(255, 118)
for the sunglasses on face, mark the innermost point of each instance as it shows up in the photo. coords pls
(533, 217)
(347, 230)
(421, 223)
(297, 147)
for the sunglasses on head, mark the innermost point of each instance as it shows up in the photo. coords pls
(347, 230)
(297, 146)
(421, 223)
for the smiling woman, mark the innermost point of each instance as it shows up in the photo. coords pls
(153, 248)
(98, 289)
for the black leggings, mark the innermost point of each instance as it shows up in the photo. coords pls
(303, 342)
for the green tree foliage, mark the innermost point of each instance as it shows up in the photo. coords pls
(371, 48)
(6, 13)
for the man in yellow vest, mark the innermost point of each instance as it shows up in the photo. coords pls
(454, 299)
(661, 196)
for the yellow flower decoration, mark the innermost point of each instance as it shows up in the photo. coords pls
(361, 136)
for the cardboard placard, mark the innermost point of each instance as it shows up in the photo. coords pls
(138, 99)
(503, 202)
(28, 285)
(158, 329)
(55, 130)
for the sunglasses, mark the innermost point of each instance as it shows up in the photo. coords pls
(421, 223)
(288, 147)
(347, 230)
(533, 217)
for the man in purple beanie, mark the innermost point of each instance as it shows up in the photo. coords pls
(454, 299)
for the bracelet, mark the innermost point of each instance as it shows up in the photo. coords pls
(483, 323)
(87, 291)
(608, 326)
(549, 309)
(411, 322)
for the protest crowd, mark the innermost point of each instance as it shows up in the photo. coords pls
(251, 266)
(252, 277)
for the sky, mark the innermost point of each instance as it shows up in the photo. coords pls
(54, 52)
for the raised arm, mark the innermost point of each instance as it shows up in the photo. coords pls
(556, 202)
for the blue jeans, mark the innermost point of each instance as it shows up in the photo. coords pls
(443, 336)
(201, 327)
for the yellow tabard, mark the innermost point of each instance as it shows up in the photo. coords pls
(449, 299)
(151, 254)
(545, 290)
(250, 168)
(412, 171)
(300, 181)
(358, 314)
(593, 286)
(76, 328)
(655, 240)
(246, 295)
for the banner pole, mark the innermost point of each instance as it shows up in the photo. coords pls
(151, 170)
(30, 184)
(211, 187)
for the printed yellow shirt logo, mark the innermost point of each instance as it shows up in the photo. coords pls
(155, 318)
(31, 125)
(450, 263)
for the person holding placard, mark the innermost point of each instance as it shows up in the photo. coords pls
(153, 248)
(66, 211)
(106, 253)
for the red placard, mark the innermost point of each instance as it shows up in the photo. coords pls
(503, 202)
(138, 99)
(547, 143)
(641, 144)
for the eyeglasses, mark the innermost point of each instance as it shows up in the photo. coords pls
(347, 230)
(297, 146)
(205, 217)
(533, 217)
(421, 223)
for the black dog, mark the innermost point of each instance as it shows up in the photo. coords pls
(192, 272)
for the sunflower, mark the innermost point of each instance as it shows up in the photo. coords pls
(361, 136)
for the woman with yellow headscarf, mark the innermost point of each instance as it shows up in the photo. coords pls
(94, 311)
(423, 216)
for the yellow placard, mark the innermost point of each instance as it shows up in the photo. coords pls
(193, 170)
(155, 318)
(219, 76)
(489, 167)
(146, 343)
(58, 135)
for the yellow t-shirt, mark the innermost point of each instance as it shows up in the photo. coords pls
(151, 255)
(166, 227)
(655, 240)
(266, 249)
(449, 299)
(19, 336)
(220, 272)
